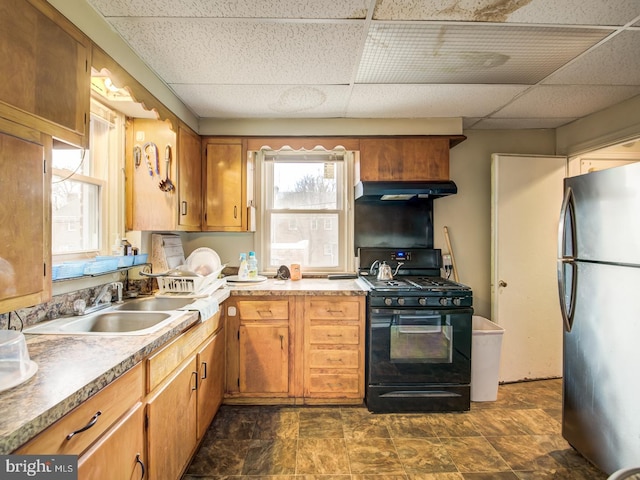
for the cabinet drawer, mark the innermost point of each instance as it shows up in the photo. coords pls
(165, 361)
(344, 383)
(333, 358)
(264, 310)
(334, 334)
(112, 402)
(334, 310)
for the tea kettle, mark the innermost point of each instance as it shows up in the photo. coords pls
(384, 270)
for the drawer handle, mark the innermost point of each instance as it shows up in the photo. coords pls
(334, 335)
(141, 465)
(336, 312)
(265, 313)
(91, 423)
(204, 367)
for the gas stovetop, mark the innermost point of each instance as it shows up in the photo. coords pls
(417, 282)
(422, 284)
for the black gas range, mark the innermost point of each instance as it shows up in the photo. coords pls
(418, 333)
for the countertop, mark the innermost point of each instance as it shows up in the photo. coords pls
(72, 368)
(305, 286)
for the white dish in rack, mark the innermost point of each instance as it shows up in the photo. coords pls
(203, 261)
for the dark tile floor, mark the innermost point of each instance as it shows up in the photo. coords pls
(516, 437)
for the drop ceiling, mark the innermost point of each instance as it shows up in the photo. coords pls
(495, 63)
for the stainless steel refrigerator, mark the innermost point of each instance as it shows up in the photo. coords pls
(599, 287)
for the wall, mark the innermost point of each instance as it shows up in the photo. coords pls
(468, 214)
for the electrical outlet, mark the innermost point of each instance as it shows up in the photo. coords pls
(446, 260)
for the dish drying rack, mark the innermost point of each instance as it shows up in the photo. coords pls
(193, 287)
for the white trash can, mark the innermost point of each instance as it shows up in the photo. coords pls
(486, 343)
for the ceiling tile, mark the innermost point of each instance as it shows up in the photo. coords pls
(615, 62)
(423, 101)
(233, 9)
(426, 53)
(264, 101)
(552, 12)
(556, 101)
(245, 52)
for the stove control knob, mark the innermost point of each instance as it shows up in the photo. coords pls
(401, 301)
(444, 301)
(422, 301)
(387, 301)
(457, 302)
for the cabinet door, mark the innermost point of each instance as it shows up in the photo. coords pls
(148, 207)
(393, 159)
(47, 84)
(224, 187)
(264, 358)
(189, 180)
(119, 454)
(211, 383)
(171, 442)
(25, 216)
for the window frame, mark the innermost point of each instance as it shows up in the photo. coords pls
(345, 199)
(108, 175)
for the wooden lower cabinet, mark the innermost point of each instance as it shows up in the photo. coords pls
(259, 355)
(171, 427)
(334, 331)
(184, 388)
(295, 349)
(120, 454)
(264, 358)
(211, 380)
(185, 385)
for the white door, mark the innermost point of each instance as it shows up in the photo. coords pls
(525, 206)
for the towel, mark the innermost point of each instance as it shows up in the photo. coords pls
(206, 306)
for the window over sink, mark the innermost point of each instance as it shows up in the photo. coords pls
(87, 187)
(306, 214)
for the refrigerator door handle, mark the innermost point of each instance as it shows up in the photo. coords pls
(565, 210)
(567, 305)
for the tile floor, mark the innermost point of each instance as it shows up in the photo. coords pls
(516, 437)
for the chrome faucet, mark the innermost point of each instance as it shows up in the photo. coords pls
(80, 308)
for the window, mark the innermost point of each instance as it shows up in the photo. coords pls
(306, 210)
(84, 188)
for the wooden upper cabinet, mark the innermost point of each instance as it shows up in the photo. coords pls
(411, 158)
(225, 197)
(25, 216)
(46, 84)
(189, 183)
(148, 207)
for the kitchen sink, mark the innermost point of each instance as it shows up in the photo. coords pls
(110, 322)
(153, 304)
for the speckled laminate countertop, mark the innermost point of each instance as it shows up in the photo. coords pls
(305, 286)
(72, 368)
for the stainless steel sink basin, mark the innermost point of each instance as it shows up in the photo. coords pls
(154, 304)
(109, 322)
(116, 322)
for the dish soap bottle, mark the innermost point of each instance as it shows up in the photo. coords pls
(252, 265)
(243, 270)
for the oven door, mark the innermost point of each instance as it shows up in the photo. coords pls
(419, 346)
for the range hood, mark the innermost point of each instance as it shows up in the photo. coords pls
(404, 190)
